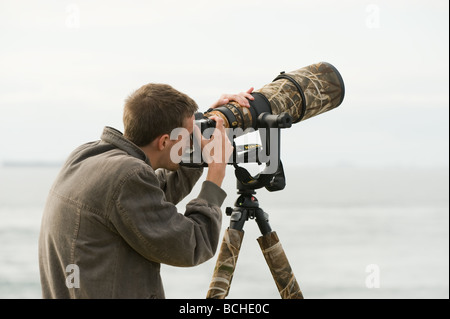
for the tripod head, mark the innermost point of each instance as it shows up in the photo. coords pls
(272, 176)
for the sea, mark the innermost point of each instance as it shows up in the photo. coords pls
(348, 233)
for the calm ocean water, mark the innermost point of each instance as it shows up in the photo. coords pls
(347, 232)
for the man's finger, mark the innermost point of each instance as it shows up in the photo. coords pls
(240, 99)
(218, 120)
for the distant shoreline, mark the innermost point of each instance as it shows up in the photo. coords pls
(30, 164)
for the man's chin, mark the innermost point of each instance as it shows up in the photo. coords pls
(173, 167)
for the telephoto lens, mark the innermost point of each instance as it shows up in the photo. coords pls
(302, 94)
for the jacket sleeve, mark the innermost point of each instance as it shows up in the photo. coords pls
(177, 185)
(152, 226)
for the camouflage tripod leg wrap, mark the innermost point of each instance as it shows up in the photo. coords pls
(279, 266)
(226, 264)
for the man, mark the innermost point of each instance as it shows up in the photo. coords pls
(110, 219)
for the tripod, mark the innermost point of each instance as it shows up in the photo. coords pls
(247, 207)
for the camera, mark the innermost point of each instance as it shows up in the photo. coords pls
(290, 98)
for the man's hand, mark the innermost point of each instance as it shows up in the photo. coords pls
(242, 98)
(216, 152)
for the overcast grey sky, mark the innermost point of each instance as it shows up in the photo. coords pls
(67, 66)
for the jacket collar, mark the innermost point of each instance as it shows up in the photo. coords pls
(116, 138)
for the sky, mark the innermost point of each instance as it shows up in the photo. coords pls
(66, 68)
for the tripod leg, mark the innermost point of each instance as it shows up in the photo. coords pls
(226, 264)
(279, 266)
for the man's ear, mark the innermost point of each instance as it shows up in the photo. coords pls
(162, 141)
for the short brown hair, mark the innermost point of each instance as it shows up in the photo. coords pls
(154, 110)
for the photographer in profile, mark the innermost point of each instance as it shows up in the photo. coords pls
(111, 211)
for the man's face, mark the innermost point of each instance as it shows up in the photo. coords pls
(188, 125)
